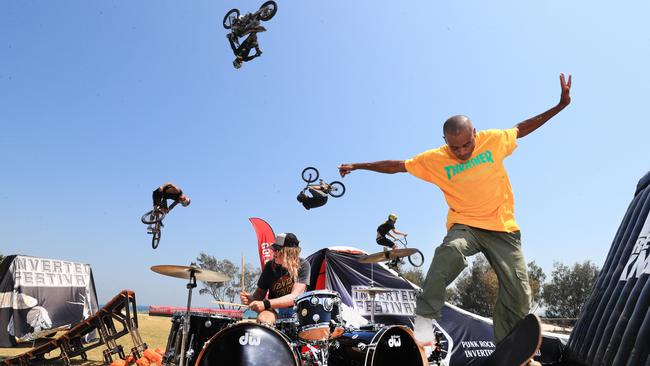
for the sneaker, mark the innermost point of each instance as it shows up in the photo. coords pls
(423, 332)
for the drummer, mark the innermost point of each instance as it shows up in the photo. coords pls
(282, 280)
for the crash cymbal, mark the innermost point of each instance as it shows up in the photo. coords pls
(387, 255)
(201, 274)
(373, 290)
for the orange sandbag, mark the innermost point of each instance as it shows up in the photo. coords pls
(119, 363)
(143, 361)
(153, 357)
(160, 351)
(129, 359)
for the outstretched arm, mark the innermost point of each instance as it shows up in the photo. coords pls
(384, 166)
(172, 206)
(531, 124)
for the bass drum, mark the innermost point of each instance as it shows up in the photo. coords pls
(202, 327)
(248, 344)
(391, 345)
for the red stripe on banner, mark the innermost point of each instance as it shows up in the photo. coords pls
(320, 282)
(162, 310)
(265, 238)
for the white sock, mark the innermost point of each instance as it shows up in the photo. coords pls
(428, 350)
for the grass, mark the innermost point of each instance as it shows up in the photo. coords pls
(154, 331)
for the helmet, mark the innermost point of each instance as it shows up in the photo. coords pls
(186, 202)
(392, 217)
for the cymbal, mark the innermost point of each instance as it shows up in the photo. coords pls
(387, 255)
(373, 290)
(201, 274)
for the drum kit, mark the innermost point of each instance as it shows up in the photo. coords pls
(315, 336)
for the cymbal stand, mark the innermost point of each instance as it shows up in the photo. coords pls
(186, 321)
(372, 295)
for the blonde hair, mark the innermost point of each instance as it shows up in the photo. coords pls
(291, 260)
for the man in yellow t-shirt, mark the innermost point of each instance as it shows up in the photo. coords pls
(469, 170)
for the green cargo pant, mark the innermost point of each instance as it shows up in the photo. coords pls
(503, 252)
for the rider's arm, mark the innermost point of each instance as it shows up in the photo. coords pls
(399, 232)
(384, 166)
(172, 205)
(286, 301)
(531, 124)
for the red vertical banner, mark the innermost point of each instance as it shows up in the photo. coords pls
(265, 238)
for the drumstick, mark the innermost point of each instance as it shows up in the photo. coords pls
(229, 304)
(242, 272)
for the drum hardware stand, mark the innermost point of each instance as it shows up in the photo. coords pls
(372, 291)
(192, 273)
(318, 355)
(186, 318)
(190, 351)
(372, 295)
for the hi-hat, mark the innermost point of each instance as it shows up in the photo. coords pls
(373, 290)
(201, 274)
(387, 255)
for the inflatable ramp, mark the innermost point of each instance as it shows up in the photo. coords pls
(614, 324)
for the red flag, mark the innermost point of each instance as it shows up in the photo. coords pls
(265, 238)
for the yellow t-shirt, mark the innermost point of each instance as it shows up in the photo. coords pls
(477, 191)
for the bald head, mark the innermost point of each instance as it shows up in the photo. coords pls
(457, 125)
(460, 136)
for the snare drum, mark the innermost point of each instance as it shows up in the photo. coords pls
(247, 344)
(391, 345)
(318, 314)
(202, 327)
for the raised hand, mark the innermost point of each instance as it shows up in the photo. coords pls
(565, 97)
(245, 297)
(345, 169)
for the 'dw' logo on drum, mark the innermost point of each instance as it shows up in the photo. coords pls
(395, 341)
(249, 339)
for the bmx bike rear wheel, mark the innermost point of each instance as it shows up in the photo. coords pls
(268, 10)
(310, 174)
(337, 189)
(152, 217)
(230, 15)
(155, 238)
(417, 259)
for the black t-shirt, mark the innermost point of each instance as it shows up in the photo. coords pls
(384, 228)
(278, 282)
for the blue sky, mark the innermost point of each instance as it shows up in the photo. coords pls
(102, 101)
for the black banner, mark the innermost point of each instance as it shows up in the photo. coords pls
(37, 294)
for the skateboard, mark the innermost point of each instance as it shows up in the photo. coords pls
(519, 346)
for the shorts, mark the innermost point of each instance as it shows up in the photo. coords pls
(385, 242)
